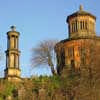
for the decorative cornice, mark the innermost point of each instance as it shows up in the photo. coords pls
(78, 38)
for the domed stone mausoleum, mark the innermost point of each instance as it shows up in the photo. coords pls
(77, 48)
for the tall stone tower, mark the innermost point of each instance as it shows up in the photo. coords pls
(12, 71)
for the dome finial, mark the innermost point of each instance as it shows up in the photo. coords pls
(81, 7)
(13, 28)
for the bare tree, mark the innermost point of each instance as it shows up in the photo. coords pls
(44, 54)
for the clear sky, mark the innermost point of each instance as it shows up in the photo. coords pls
(38, 20)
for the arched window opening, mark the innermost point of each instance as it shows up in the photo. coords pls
(71, 52)
(81, 25)
(86, 25)
(76, 25)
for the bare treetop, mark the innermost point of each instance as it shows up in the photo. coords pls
(43, 54)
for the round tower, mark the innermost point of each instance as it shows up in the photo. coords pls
(12, 71)
(81, 24)
(82, 44)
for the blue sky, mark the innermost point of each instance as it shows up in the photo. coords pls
(38, 20)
